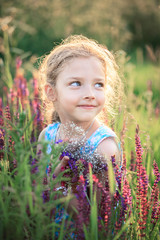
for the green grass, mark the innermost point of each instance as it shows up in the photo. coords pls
(17, 191)
(142, 75)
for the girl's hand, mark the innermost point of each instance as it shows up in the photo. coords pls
(63, 163)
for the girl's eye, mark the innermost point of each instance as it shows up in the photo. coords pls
(75, 84)
(99, 85)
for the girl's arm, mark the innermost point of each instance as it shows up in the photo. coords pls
(108, 148)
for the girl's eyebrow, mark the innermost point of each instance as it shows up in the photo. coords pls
(81, 78)
(77, 78)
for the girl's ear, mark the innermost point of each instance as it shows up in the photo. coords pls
(50, 92)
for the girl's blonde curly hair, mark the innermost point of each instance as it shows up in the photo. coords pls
(73, 47)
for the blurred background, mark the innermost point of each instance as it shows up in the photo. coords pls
(35, 26)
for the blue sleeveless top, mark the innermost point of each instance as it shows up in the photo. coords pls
(92, 142)
(91, 145)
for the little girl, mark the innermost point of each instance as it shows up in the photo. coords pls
(79, 81)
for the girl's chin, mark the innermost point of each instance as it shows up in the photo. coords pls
(79, 119)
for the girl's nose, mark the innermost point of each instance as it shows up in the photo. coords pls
(89, 93)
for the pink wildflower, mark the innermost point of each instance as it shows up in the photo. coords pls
(62, 169)
(142, 187)
(95, 179)
(90, 164)
(126, 193)
(155, 194)
(81, 179)
(1, 144)
(18, 62)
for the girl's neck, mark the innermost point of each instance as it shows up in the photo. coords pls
(71, 129)
(84, 125)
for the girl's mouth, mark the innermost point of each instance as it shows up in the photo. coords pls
(87, 106)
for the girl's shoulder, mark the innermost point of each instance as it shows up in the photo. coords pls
(110, 147)
(105, 140)
(51, 131)
(103, 132)
(42, 135)
(48, 132)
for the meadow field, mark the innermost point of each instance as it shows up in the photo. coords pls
(32, 207)
(130, 206)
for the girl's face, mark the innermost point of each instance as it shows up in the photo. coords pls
(79, 91)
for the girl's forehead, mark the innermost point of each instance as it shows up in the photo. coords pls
(81, 67)
(83, 63)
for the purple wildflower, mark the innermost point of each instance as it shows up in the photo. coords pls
(59, 141)
(118, 173)
(46, 195)
(83, 208)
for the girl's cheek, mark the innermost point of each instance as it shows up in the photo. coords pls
(103, 98)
